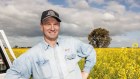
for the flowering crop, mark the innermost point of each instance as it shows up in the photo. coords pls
(112, 63)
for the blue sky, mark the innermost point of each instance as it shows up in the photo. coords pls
(58, 2)
(129, 4)
(20, 19)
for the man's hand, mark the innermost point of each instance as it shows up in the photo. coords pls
(85, 75)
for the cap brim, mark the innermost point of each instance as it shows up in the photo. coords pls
(53, 17)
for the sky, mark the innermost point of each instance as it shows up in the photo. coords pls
(20, 19)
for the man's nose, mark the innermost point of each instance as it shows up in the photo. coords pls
(52, 27)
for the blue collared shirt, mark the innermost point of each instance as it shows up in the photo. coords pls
(60, 62)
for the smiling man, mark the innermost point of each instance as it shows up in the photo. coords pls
(56, 57)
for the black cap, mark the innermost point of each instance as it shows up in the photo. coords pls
(50, 13)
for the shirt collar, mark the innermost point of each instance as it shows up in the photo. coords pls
(46, 45)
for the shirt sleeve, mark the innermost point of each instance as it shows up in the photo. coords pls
(20, 69)
(86, 51)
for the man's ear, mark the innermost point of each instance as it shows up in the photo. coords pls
(41, 27)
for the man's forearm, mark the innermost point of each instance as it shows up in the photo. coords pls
(85, 75)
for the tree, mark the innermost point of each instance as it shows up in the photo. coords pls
(16, 46)
(99, 38)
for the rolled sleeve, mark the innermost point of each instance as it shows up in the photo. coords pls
(90, 60)
(87, 51)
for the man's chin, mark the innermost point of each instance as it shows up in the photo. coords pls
(53, 38)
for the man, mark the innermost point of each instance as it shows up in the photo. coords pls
(56, 57)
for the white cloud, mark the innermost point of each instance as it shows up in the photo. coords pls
(115, 7)
(120, 41)
(108, 16)
(20, 19)
(81, 4)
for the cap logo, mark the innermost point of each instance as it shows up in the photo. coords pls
(51, 13)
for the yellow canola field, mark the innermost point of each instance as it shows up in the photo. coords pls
(112, 63)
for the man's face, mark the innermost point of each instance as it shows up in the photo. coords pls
(50, 28)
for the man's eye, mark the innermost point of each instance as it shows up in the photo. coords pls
(48, 24)
(56, 24)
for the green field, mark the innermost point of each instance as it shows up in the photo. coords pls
(112, 63)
